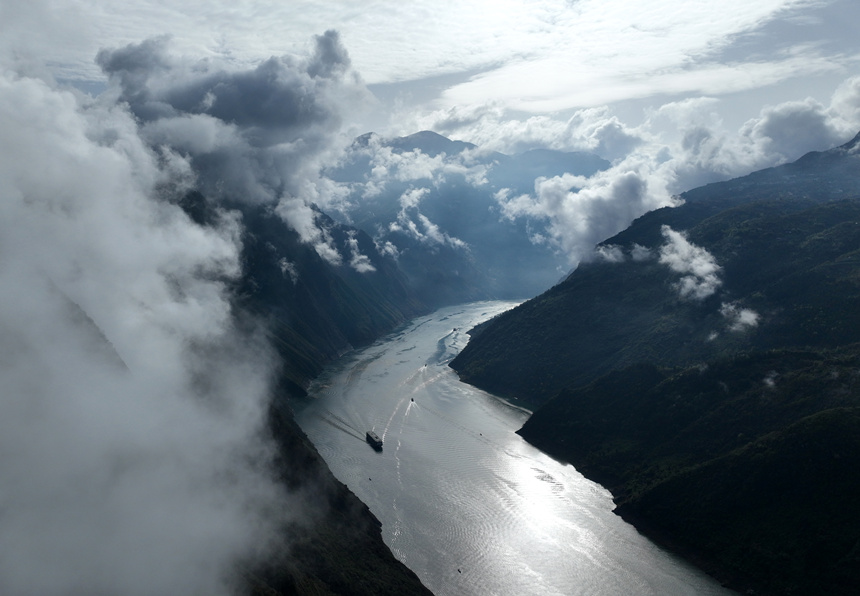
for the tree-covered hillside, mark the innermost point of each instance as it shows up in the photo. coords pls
(781, 265)
(706, 368)
(749, 465)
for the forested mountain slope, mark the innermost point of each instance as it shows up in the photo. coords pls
(707, 370)
(743, 264)
(747, 465)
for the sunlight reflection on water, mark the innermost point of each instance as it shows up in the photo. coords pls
(464, 501)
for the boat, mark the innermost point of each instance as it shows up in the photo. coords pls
(374, 440)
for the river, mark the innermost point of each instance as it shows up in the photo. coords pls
(464, 501)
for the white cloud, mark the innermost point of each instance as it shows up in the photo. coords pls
(845, 103)
(610, 253)
(302, 217)
(493, 128)
(386, 248)
(600, 52)
(358, 261)
(289, 268)
(699, 269)
(794, 128)
(641, 253)
(423, 229)
(738, 318)
(580, 212)
(546, 47)
(770, 379)
(133, 411)
(679, 146)
(390, 165)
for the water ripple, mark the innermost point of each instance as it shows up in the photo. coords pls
(464, 501)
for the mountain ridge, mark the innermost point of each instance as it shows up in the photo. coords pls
(703, 221)
(706, 373)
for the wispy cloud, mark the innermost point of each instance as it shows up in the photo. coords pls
(698, 268)
(544, 55)
(414, 224)
(739, 318)
(602, 83)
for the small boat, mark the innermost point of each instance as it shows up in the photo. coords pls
(374, 440)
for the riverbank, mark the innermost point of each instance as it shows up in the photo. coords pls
(464, 501)
(755, 483)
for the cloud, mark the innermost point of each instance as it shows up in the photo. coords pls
(685, 140)
(615, 51)
(698, 267)
(493, 128)
(578, 45)
(770, 380)
(641, 253)
(738, 318)
(679, 146)
(289, 268)
(610, 253)
(132, 417)
(250, 134)
(845, 103)
(389, 166)
(304, 219)
(358, 261)
(424, 230)
(793, 128)
(580, 212)
(700, 150)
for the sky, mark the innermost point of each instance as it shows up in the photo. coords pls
(535, 56)
(675, 93)
(129, 421)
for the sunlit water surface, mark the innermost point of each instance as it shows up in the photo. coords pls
(464, 502)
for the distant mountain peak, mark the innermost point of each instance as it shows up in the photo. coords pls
(430, 143)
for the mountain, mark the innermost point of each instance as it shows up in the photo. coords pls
(705, 370)
(783, 252)
(314, 311)
(429, 143)
(434, 206)
(748, 465)
(317, 302)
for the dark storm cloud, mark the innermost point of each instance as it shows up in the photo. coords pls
(330, 58)
(272, 103)
(257, 134)
(133, 67)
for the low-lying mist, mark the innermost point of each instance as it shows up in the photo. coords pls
(132, 416)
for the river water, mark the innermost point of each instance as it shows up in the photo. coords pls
(464, 502)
